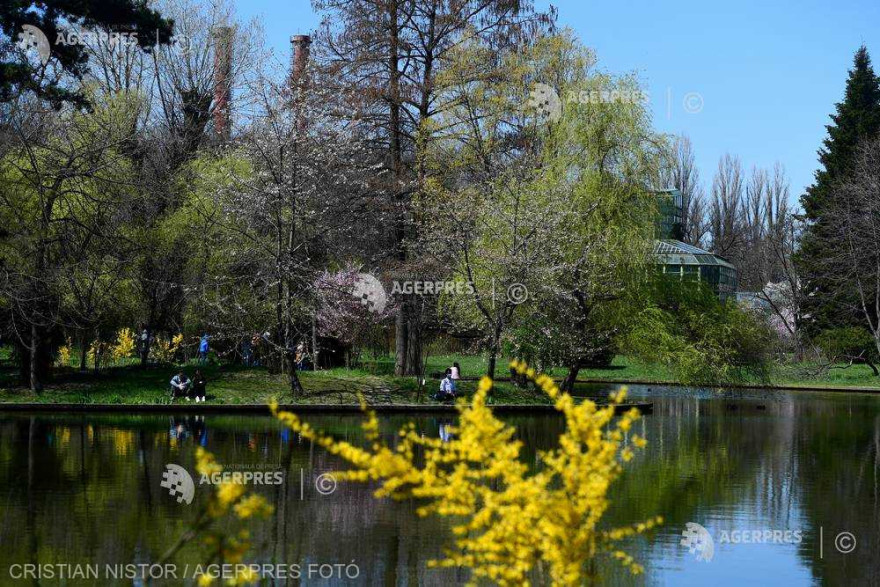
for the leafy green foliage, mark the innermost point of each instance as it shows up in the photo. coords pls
(848, 344)
(702, 340)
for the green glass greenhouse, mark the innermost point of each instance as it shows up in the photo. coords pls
(677, 258)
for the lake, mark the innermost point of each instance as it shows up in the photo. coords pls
(785, 484)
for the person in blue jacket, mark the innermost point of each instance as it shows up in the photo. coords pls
(203, 349)
(447, 388)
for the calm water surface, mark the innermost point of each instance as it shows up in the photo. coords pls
(85, 489)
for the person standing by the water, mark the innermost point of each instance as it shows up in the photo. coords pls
(300, 357)
(144, 341)
(203, 349)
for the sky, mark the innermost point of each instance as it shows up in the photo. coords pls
(756, 79)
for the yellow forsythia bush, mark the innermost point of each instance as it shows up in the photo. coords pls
(229, 499)
(165, 350)
(124, 346)
(508, 523)
(64, 355)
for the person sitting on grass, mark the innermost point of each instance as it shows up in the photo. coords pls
(198, 387)
(447, 388)
(180, 385)
(456, 372)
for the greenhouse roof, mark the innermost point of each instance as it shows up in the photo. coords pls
(672, 252)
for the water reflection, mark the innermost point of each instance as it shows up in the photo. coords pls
(445, 431)
(85, 489)
(189, 426)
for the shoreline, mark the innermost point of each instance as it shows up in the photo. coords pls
(661, 383)
(644, 407)
(770, 387)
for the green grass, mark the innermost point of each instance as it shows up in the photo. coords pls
(240, 385)
(131, 385)
(795, 374)
(627, 369)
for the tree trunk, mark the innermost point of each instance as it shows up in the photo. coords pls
(571, 378)
(35, 383)
(97, 351)
(401, 327)
(401, 324)
(314, 343)
(82, 352)
(495, 348)
(492, 358)
(413, 350)
(877, 345)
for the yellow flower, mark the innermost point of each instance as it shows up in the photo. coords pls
(228, 493)
(205, 463)
(245, 576)
(125, 344)
(252, 505)
(508, 521)
(230, 548)
(64, 355)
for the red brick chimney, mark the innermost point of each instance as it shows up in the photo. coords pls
(300, 58)
(222, 81)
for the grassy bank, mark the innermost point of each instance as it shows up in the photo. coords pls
(239, 385)
(788, 374)
(627, 369)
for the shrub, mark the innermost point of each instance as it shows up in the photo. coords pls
(851, 344)
(509, 522)
(165, 350)
(124, 346)
(701, 339)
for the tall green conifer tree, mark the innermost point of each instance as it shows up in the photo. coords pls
(857, 118)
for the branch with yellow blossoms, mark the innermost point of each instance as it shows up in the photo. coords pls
(509, 524)
(228, 497)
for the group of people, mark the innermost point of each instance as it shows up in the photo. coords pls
(447, 385)
(145, 340)
(191, 389)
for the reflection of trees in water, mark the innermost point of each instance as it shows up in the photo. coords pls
(86, 489)
(839, 447)
(708, 460)
(96, 498)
